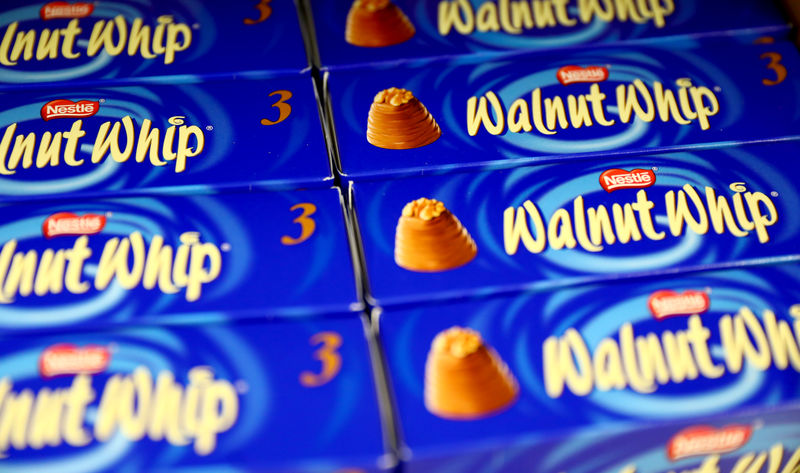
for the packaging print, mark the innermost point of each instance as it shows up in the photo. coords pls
(545, 107)
(220, 396)
(547, 225)
(366, 32)
(173, 259)
(76, 41)
(171, 138)
(758, 440)
(623, 355)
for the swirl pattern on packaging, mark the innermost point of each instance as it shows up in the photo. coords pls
(171, 259)
(595, 353)
(535, 108)
(133, 41)
(177, 138)
(547, 225)
(494, 27)
(173, 398)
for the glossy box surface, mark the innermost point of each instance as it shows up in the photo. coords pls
(593, 102)
(192, 136)
(546, 225)
(178, 259)
(223, 397)
(49, 42)
(760, 439)
(618, 353)
(456, 27)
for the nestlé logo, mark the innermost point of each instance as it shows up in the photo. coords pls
(69, 224)
(67, 359)
(707, 440)
(55, 10)
(613, 179)
(668, 303)
(63, 108)
(576, 74)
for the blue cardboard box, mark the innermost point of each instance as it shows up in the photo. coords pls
(54, 41)
(467, 112)
(549, 225)
(173, 259)
(599, 358)
(365, 31)
(759, 439)
(273, 396)
(172, 138)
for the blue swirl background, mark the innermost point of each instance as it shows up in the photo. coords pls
(218, 47)
(734, 69)
(517, 327)
(259, 275)
(239, 151)
(689, 18)
(615, 447)
(480, 199)
(279, 422)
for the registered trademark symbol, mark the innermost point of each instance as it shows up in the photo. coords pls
(717, 88)
(196, 26)
(209, 127)
(108, 214)
(225, 247)
(241, 386)
(758, 424)
(774, 193)
(708, 290)
(654, 168)
(102, 100)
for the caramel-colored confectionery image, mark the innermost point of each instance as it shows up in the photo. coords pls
(431, 239)
(465, 379)
(398, 120)
(377, 23)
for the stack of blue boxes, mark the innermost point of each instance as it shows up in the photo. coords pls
(356, 236)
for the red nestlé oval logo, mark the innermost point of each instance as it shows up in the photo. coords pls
(55, 10)
(65, 359)
(613, 179)
(668, 303)
(63, 108)
(576, 74)
(70, 224)
(707, 440)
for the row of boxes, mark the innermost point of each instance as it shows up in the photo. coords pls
(125, 41)
(505, 378)
(577, 366)
(368, 32)
(550, 107)
(251, 395)
(175, 268)
(52, 43)
(578, 259)
(529, 108)
(177, 288)
(760, 440)
(592, 219)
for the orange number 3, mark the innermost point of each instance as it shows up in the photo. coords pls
(283, 107)
(307, 225)
(328, 355)
(776, 66)
(264, 11)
